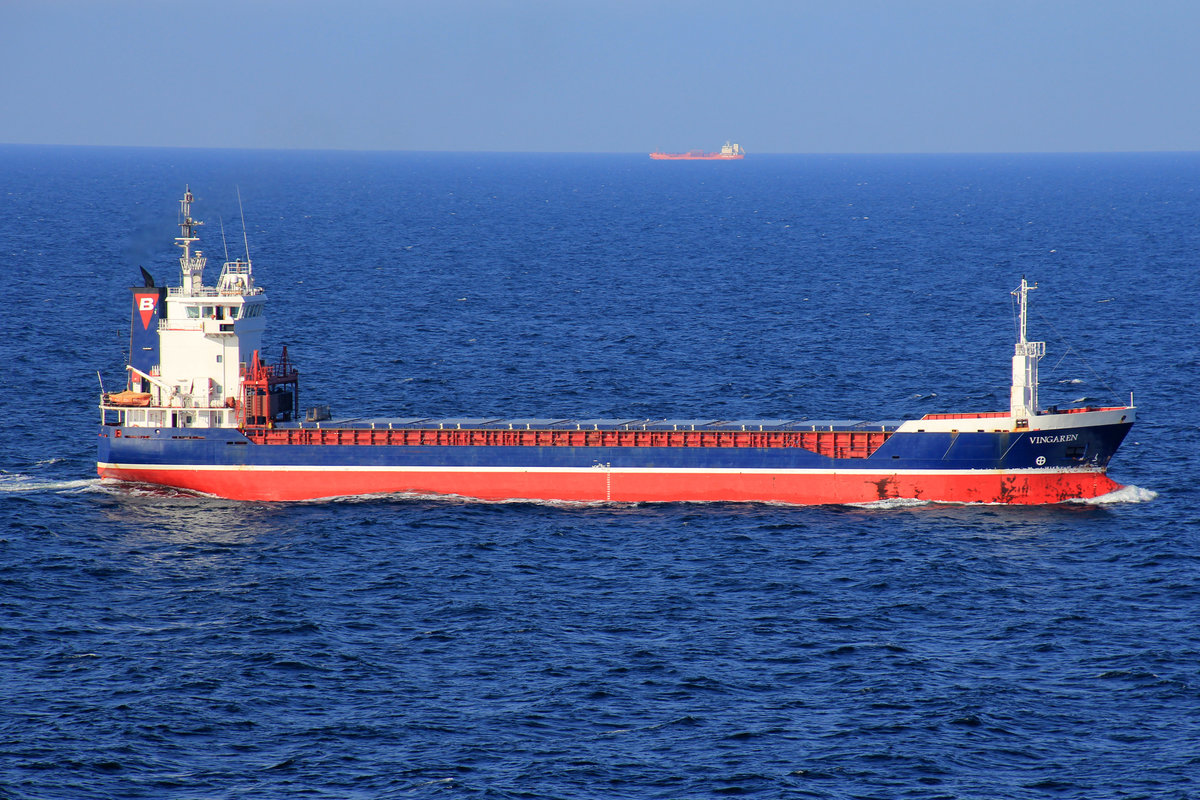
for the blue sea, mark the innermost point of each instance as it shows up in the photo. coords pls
(155, 644)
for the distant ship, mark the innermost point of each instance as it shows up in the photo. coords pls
(202, 411)
(728, 152)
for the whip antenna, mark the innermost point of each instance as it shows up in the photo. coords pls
(245, 241)
(223, 242)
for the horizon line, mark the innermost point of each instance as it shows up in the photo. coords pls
(749, 154)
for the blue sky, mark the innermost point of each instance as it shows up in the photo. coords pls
(837, 76)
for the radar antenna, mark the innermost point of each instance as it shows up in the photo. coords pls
(191, 266)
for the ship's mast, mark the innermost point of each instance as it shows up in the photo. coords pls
(191, 266)
(1024, 402)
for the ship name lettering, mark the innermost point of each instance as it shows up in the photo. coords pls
(1066, 437)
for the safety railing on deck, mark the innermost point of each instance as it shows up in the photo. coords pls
(979, 415)
(834, 444)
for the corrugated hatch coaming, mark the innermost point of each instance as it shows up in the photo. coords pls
(832, 438)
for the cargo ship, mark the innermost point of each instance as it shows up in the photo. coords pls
(729, 152)
(203, 411)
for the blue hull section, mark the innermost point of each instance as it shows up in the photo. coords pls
(1072, 448)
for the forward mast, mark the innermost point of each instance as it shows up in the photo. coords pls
(1023, 402)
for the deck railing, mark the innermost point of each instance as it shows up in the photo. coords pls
(835, 444)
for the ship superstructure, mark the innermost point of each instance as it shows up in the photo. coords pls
(204, 412)
(194, 348)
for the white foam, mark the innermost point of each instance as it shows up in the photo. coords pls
(455, 498)
(892, 502)
(1126, 494)
(122, 488)
(17, 483)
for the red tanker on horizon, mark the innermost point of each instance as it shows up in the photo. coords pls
(202, 411)
(729, 152)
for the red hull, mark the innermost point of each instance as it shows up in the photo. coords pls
(634, 486)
